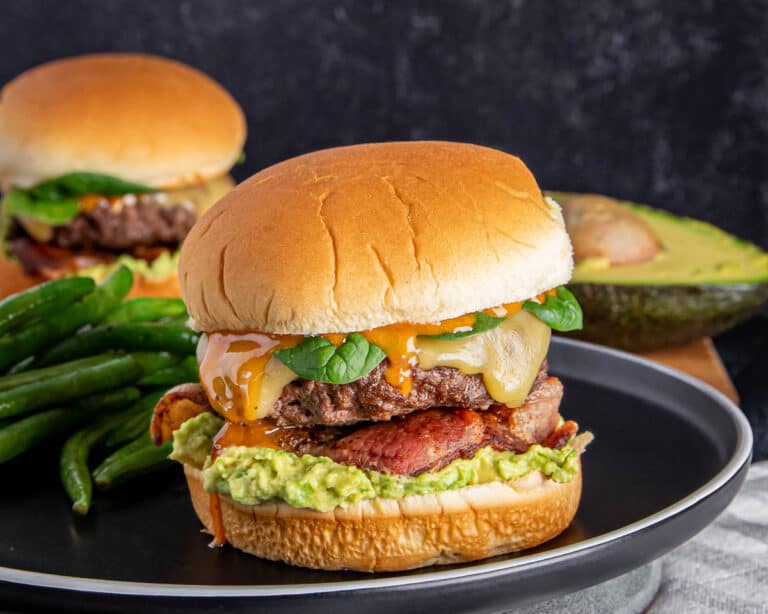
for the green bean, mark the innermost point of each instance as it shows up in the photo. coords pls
(140, 457)
(92, 308)
(25, 377)
(137, 423)
(114, 371)
(154, 361)
(19, 367)
(111, 399)
(147, 309)
(41, 301)
(185, 371)
(132, 445)
(73, 462)
(20, 436)
(142, 336)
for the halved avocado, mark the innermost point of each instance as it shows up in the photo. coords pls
(703, 282)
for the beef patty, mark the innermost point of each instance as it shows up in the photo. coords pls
(138, 221)
(305, 402)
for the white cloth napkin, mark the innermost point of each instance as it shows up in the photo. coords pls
(725, 567)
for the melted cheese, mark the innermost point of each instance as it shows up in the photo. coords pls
(399, 342)
(235, 367)
(508, 357)
(243, 379)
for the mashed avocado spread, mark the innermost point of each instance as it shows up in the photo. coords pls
(160, 268)
(254, 475)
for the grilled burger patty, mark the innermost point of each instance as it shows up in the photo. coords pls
(306, 402)
(136, 221)
(407, 445)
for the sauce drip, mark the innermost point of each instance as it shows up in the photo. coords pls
(219, 535)
(263, 434)
(91, 201)
(233, 367)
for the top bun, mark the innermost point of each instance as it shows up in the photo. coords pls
(142, 118)
(358, 237)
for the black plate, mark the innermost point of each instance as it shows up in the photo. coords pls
(669, 455)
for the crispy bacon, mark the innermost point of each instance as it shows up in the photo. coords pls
(561, 435)
(177, 406)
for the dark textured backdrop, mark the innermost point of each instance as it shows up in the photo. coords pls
(659, 102)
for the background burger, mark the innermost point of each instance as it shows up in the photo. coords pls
(375, 393)
(107, 158)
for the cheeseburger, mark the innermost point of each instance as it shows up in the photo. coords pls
(374, 390)
(110, 158)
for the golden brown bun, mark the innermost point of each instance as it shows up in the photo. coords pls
(13, 279)
(358, 237)
(395, 534)
(142, 118)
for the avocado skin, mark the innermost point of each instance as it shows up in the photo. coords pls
(641, 318)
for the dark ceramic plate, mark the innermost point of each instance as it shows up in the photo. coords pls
(669, 455)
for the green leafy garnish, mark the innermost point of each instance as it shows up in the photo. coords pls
(240, 158)
(317, 359)
(55, 201)
(19, 202)
(560, 312)
(483, 323)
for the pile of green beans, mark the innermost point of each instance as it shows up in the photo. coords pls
(81, 363)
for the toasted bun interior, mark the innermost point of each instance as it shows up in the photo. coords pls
(358, 237)
(396, 534)
(142, 118)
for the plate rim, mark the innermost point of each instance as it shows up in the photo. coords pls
(740, 457)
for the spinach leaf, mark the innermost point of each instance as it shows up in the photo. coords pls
(19, 202)
(483, 323)
(54, 201)
(560, 312)
(319, 360)
(79, 184)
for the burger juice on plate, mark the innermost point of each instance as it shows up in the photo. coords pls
(374, 389)
(110, 158)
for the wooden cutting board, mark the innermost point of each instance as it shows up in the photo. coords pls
(701, 360)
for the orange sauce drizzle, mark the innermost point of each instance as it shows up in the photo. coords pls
(233, 367)
(91, 201)
(258, 434)
(399, 341)
(217, 522)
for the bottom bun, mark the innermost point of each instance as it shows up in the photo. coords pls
(454, 526)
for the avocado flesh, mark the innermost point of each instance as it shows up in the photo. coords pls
(694, 253)
(704, 282)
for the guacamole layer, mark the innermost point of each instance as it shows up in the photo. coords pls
(159, 269)
(256, 475)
